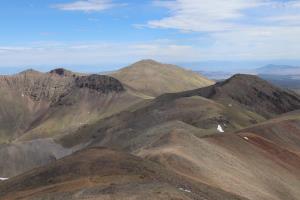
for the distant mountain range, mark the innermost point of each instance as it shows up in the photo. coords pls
(285, 76)
(279, 70)
(282, 75)
(216, 75)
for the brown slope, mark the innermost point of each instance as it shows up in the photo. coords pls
(229, 162)
(17, 158)
(248, 91)
(255, 169)
(39, 105)
(43, 104)
(99, 173)
(283, 131)
(119, 130)
(25, 97)
(232, 105)
(77, 107)
(153, 78)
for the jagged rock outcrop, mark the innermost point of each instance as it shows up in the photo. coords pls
(62, 72)
(99, 83)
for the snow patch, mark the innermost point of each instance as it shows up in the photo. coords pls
(220, 129)
(185, 190)
(246, 138)
(23, 95)
(230, 105)
(3, 179)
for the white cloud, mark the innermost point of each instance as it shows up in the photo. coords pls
(287, 19)
(229, 35)
(229, 15)
(203, 15)
(257, 43)
(86, 5)
(286, 4)
(236, 29)
(13, 48)
(249, 43)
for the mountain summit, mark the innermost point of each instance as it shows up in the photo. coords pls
(153, 78)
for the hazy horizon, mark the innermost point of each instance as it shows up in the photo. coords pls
(206, 66)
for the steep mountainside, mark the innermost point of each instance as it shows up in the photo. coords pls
(56, 102)
(152, 78)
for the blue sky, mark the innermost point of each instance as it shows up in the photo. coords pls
(101, 35)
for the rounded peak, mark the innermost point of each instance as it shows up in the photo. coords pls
(147, 62)
(244, 80)
(62, 72)
(244, 77)
(149, 65)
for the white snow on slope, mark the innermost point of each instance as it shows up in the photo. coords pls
(3, 179)
(220, 129)
(185, 190)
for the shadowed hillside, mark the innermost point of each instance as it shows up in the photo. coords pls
(248, 91)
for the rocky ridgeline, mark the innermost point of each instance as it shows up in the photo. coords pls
(52, 86)
(257, 94)
(248, 91)
(36, 85)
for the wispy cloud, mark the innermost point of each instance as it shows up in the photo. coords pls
(87, 5)
(236, 29)
(202, 15)
(286, 19)
(230, 15)
(13, 48)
